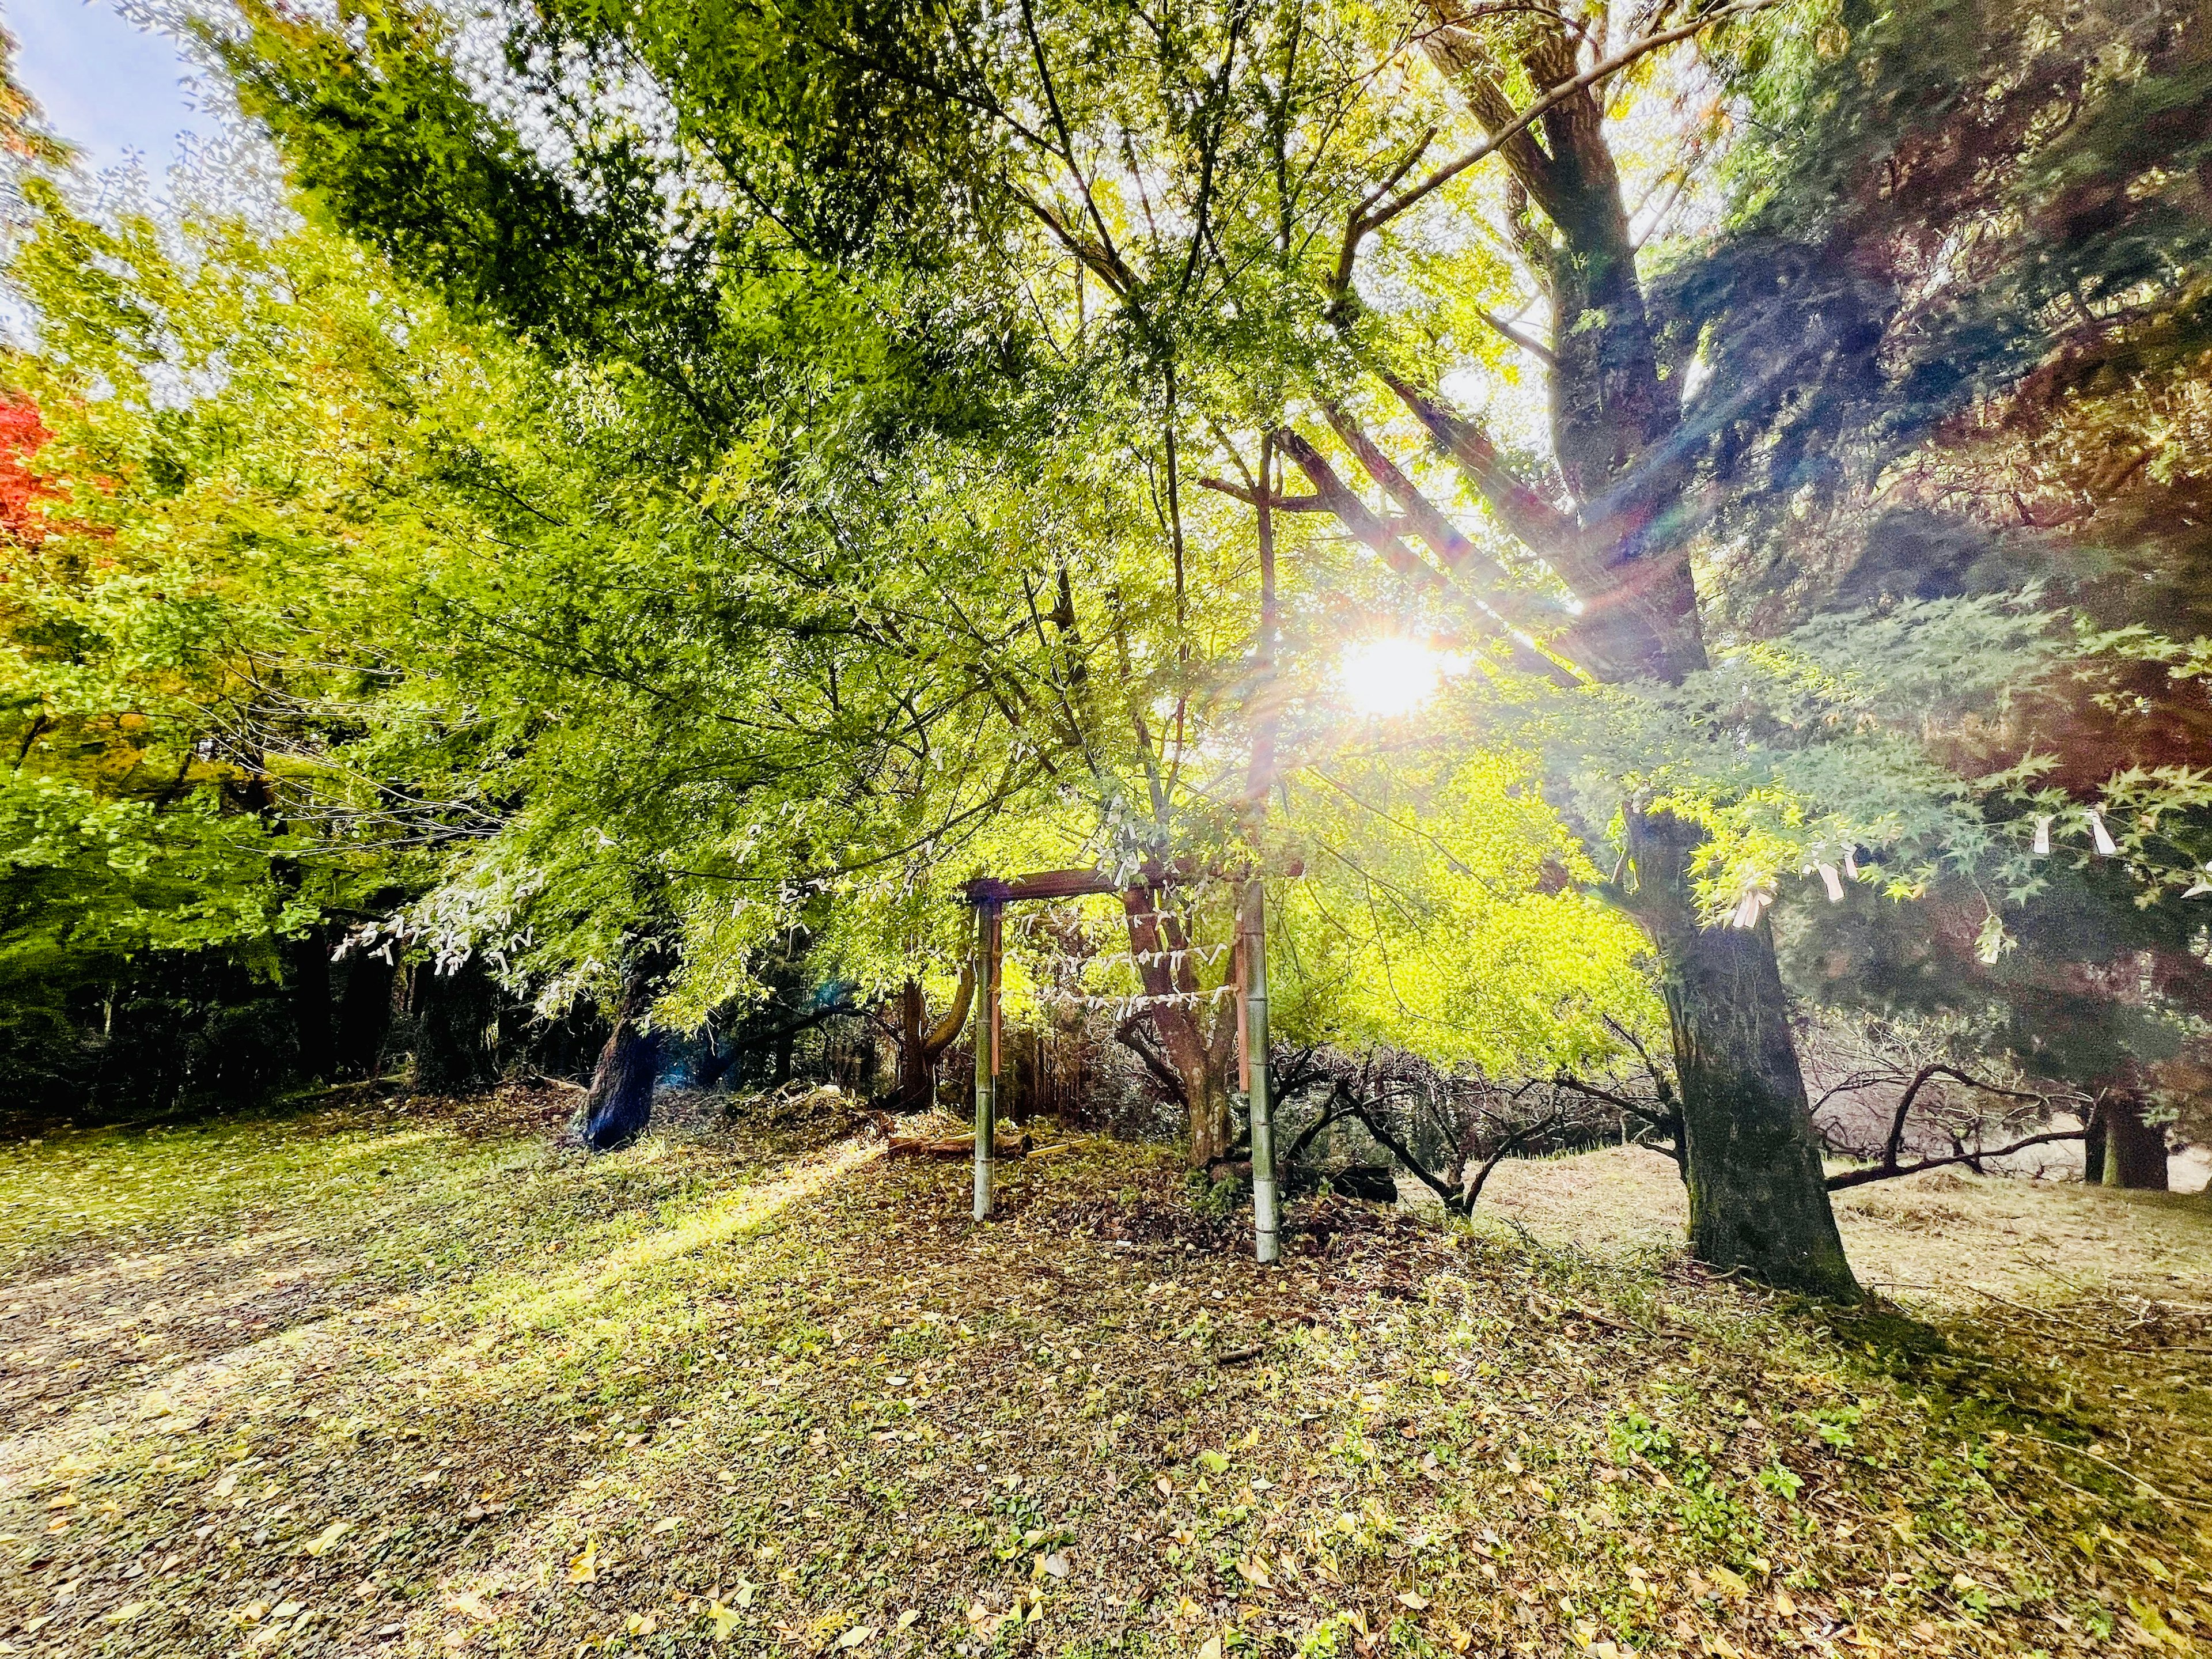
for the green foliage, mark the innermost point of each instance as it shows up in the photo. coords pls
(1446, 910)
(151, 601)
(762, 502)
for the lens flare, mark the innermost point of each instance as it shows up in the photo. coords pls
(1390, 677)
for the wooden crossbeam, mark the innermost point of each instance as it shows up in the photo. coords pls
(1040, 884)
(1078, 884)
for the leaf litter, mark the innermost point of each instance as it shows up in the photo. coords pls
(758, 1386)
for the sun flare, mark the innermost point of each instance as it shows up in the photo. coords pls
(1389, 677)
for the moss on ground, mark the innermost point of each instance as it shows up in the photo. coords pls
(426, 1382)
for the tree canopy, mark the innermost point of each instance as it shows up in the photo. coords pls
(692, 477)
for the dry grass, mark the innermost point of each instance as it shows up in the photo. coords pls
(365, 1384)
(1936, 1240)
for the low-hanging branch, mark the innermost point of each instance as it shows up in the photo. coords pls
(1135, 1034)
(1974, 1156)
(1661, 1117)
(1505, 1148)
(1457, 1200)
(1895, 1143)
(1888, 1167)
(940, 1037)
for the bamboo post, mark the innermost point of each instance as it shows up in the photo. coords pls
(986, 1050)
(1267, 1245)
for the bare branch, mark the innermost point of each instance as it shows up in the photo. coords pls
(1512, 1144)
(1135, 1033)
(1887, 1164)
(1436, 1184)
(1861, 1177)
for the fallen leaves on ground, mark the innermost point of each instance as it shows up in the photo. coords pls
(758, 1386)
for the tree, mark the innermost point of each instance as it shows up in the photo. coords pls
(1072, 261)
(143, 626)
(451, 164)
(1798, 370)
(921, 1045)
(2012, 442)
(1757, 1200)
(430, 175)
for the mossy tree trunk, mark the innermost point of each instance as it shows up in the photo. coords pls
(2135, 1154)
(1758, 1195)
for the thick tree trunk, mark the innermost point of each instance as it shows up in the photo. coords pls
(2134, 1151)
(364, 1016)
(456, 1029)
(1759, 1197)
(310, 988)
(619, 1107)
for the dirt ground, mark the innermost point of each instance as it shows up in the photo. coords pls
(1942, 1239)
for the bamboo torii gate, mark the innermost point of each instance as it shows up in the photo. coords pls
(990, 895)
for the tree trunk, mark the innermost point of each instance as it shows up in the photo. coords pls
(620, 1104)
(310, 987)
(1195, 1062)
(1759, 1197)
(1213, 1127)
(921, 1046)
(911, 1093)
(364, 1016)
(456, 1029)
(2134, 1151)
